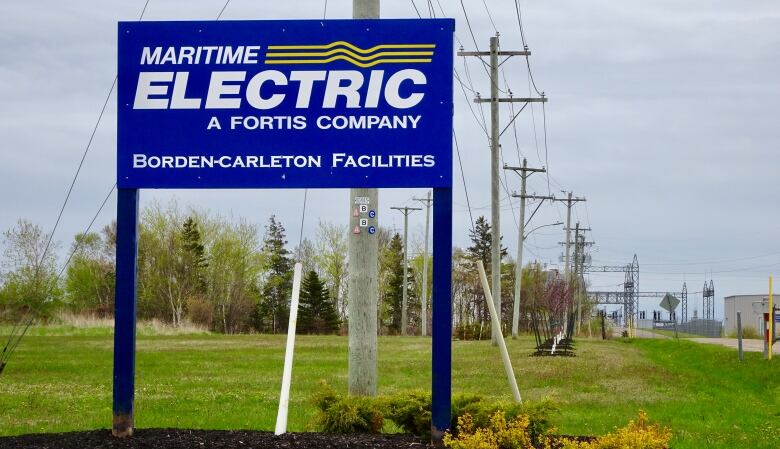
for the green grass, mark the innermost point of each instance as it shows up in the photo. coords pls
(63, 382)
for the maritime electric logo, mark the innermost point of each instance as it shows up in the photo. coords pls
(293, 71)
(345, 51)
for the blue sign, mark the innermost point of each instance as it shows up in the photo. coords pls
(372, 213)
(371, 230)
(285, 104)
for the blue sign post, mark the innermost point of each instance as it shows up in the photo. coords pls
(284, 104)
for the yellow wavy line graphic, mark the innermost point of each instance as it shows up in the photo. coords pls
(350, 46)
(345, 58)
(348, 53)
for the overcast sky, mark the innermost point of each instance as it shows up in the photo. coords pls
(664, 115)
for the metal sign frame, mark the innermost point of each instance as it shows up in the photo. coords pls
(131, 134)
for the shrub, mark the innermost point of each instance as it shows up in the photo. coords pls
(638, 434)
(346, 414)
(481, 412)
(500, 433)
(411, 412)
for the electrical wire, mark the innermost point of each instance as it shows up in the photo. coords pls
(463, 177)
(86, 231)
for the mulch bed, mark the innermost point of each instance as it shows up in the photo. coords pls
(212, 439)
(207, 439)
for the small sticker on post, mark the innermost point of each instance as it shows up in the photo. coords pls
(355, 213)
(371, 230)
(372, 213)
(356, 230)
(362, 200)
(363, 222)
(363, 208)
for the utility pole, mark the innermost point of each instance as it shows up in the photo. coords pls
(495, 218)
(569, 200)
(524, 173)
(424, 308)
(404, 311)
(579, 267)
(363, 294)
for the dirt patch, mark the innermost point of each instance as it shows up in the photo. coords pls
(207, 439)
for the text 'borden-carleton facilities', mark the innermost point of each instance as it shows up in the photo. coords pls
(336, 160)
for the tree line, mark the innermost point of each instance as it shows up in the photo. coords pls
(231, 276)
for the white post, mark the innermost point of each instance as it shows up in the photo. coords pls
(510, 373)
(284, 396)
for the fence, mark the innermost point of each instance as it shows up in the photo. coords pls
(703, 328)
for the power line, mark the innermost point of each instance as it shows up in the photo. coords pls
(86, 231)
(227, 2)
(415, 9)
(463, 177)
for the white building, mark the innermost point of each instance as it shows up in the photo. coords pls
(751, 308)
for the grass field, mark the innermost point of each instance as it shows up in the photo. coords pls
(58, 381)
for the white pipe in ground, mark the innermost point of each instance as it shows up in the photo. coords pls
(284, 396)
(510, 373)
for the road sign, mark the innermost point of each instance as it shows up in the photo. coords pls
(285, 104)
(669, 302)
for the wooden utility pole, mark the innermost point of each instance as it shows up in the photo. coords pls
(525, 171)
(424, 307)
(579, 267)
(363, 294)
(569, 200)
(495, 200)
(404, 301)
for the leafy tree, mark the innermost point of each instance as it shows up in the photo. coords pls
(306, 254)
(274, 307)
(233, 271)
(91, 274)
(331, 257)
(316, 314)
(29, 276)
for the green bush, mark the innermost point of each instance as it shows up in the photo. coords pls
(412, 412)
(347, 414)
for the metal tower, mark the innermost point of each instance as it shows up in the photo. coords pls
(630, 288)
(684, 301)
(708, 298)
